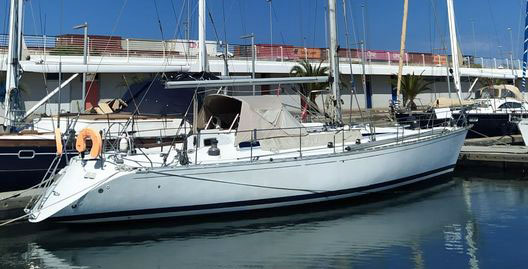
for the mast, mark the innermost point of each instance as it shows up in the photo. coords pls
(334, 61)
(202, 57)
(13, 71)
(525, 54)
(202, 54)
(402, 46)
(454, 47)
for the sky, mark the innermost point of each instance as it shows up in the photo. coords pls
(482, 24)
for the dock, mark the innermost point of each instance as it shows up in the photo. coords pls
(13, 207)
(508, 151)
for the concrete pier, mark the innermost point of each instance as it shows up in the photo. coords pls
(507, 151)
(12, 205)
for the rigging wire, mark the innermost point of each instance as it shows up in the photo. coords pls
(274, 15)
(315, 23)
(177, 29)
(6, 8)
(33, 18)
(44, 67)
(224, 56)
(159, 20)
(301, 29)
(349, 55)
(242, 15)
(40, 18)
(494, 27)
(432, 41)
(224, 21)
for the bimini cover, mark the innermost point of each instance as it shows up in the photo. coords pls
(500, 91)
(266, 114)
(151, 97)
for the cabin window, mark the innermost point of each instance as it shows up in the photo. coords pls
(209, 141)
(510, 105)
(247, 144)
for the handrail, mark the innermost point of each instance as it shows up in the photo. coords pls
(72, 45)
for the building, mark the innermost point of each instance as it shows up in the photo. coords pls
(115, 62)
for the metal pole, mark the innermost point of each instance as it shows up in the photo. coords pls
(454, 47)
(402, 46)
(334, 61)
(13, 67)
(253, 57)
(85, 62)
(364, 58)
(201, 36)
(271, 26)
(364, 75)
(188, 29)
(60, 94)
(511, 54)
(474, 39)
(84, 26)
(253, 60)
(525, 51)
(447, 77)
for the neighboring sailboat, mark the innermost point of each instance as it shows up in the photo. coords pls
(493, 112)
(28, 148)
(436, 114)
(256, 156)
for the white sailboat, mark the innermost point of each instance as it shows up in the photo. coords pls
(257, 156)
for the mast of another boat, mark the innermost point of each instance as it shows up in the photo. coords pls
(13, 71)
(525, 52)
(454, 48)
(334, 60)
(202, 53)
(402, 47)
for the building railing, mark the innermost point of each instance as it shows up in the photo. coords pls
(72, 45)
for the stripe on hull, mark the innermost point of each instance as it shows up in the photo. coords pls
(253, 204)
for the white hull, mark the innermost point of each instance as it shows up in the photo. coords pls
(242, 186)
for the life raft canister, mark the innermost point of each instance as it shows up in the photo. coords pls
(58, 141)
(95, 137)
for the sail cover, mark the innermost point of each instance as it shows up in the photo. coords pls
(277, 129)
(151, 97)
(264, 113)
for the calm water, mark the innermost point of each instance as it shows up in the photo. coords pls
(478, 220)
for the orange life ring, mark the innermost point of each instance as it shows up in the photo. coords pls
(58, 141)
(97, 142)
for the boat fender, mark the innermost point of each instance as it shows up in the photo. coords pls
(124, 144)
(58, 141)
(80, 143)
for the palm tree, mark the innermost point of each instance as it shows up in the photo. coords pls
(311, 90)
(411, 86)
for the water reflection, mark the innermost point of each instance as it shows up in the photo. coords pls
(456, 224)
